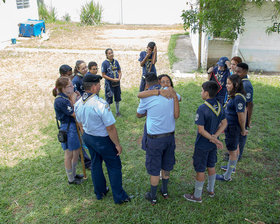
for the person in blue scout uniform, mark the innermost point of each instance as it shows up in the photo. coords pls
(65, 70)
(147, 61)
(160, 153)
(64, 111)
(92, 67)
(165, 82)
(236, 118)
(79, 72)
(101, 138)
(220, 74)
(211, 122)
(111, 71)
(242, 70)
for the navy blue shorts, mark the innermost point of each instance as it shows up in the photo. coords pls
(111, 92)
(203, 158)
(232, 133)
(160, 154)
(73, 142)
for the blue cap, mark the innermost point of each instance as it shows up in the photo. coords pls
(222, 61)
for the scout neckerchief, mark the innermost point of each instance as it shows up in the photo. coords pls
(149, 63)
(113, 67)
(236, 94)
(86, 96)
(213, 109)
(62, 97)
(214, 78)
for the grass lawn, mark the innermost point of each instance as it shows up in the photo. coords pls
(35, 190)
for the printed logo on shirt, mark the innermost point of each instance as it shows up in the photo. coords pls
(196, 117)
(240, 106)
(69, 108)
(248, 96)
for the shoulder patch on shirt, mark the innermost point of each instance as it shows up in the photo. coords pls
(240, 106)
(196, 117)
(69, 108)
(248, 95)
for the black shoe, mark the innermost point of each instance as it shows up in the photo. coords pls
(75, 181)
(88, 168)
(164, 195)
(79, 176)
(149, 198)
(128, 199)
(118, 114)
(107, 190)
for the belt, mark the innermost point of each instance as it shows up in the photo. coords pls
(161, 135)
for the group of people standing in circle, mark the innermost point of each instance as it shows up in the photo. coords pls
(228, 107)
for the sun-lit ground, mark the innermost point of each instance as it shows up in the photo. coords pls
(27, 79)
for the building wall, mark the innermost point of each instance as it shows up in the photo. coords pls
(10, 17)
(126, 11)
(260, 50)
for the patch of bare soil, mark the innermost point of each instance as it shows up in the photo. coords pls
(27, 79)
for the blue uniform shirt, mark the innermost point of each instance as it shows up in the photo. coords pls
(210, 114)
(222, 78)
(63, 109)
(160, 114)
(248, 89)
(78, 83)
(110, 68)
(234, 106)
(148, 63)
(94, 113)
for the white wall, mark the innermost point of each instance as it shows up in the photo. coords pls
(10, 17)
(133, 11)
(259, 50)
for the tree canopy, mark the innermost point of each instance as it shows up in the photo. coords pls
(221, 18)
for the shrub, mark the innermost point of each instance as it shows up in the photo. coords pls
(67, 17)
(91, 13)
(48, 16)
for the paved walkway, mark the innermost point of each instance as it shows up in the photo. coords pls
(187, 63)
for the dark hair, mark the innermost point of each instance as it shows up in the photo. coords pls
(165, 75)
(237, 85)
(151, 78)
(237, 59)
(87, 85)
(78, 63)
(244, 66)
(60, 83)
(92, 63)
(106, 51)
(151, 45)
(63, 69)
(211, 87)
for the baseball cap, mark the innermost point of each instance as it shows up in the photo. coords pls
(222, 61)
(91, 78)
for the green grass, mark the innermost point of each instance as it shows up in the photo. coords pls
(36, 190)
(171, 46)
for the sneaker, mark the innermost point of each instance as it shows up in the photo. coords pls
(118, 114)
(192, 198)
(76, 181)
(211, 194)
(79, 176)
(149, 198)
(164, 195)
(225, 169)
(222, 178)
